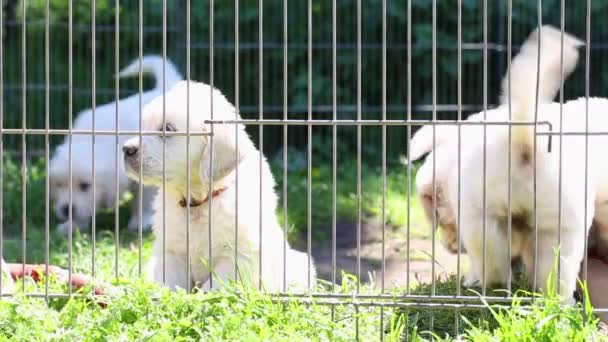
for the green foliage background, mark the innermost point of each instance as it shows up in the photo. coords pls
(524, 19)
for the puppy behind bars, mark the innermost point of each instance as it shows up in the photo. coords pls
(554, 192)
(217, 254)
(78, 191)
(434, 198)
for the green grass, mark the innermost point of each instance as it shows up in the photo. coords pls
(141, 311)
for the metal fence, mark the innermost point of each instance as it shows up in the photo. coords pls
(307, 81)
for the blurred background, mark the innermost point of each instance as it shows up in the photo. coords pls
(524, 19)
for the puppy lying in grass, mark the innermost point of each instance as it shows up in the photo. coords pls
(225, 240)
(108, 164)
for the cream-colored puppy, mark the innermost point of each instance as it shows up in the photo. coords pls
(533, 172)
(224, 238)
(107, 162)
(444, 149)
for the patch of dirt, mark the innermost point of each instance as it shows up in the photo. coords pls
(395, 252)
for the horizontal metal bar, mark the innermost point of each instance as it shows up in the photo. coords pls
(344, 46)
(573, 133)
(98, 28)
(491, 47)
(332, 299)
(334, 302)
(35, 131)
(379, 122)
(405, 297)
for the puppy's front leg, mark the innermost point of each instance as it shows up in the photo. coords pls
(495, 262)
(221, 275)
(145, 203)
(174, 272)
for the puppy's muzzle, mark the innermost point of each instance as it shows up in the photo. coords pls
(130, 151)
(63, 212)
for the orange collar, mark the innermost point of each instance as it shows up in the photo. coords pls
(196, 203)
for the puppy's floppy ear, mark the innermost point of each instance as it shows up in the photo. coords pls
(225, 154)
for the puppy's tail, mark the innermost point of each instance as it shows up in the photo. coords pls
(523, 74)
(423, 142)
(153, 65)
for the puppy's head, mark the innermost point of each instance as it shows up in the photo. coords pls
(80, 191)
(188, 105)
(435, 205)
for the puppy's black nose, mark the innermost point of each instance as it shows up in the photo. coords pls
(65, 210)
(129, 150)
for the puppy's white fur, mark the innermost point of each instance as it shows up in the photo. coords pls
(108, 165)
(260, 240)
(445, 142)
(579, 185)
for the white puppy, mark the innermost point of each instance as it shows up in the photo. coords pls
(260, 241)
(107, 160)
(444, 148)
(579, 186)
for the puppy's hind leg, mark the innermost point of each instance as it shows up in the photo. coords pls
(143, 204)
(571, 253)
(495, 263)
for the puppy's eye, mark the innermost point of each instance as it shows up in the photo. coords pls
(84, 186)
(169, 127)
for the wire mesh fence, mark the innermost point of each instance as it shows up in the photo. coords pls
(333, 94)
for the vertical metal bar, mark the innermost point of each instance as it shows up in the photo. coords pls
(2, 145)
(210, 189)
(116, 139)
(534, 142)
(93, 103)
(188, 176)
(23, 138)
(383, 164)
(561, 131)
(261, 114)
(434, 118)
(459, 161)
(70, 120)
(409, 140)
(358, 161)
(140, 98)
(383, 143)
(309, 160)
(164, 185)
(485, 141)
(334, 166)
(334, 90)
(587, 79)
(236, 136)
(510, 129)
(285, 114)
(47, 197)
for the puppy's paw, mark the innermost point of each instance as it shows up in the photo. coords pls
(64, 228)
(471, 280)
(570, 300)
(134, 223)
